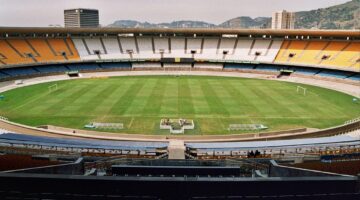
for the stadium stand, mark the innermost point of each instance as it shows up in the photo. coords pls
(64, 47)
(83, 49)
(51, 69)
(84, 67)
(146, 65)
(112, 45)
(273, 68)
(226, 47)
(10, 55)
(342, 167)
(12, 162)
(177, 65)
(161, 45)
(84, 144)
(20, 71)
(355, 77)
(194, 44)
(122, 65)
(335, 74)
(43, 50)
(94, 45)
(128, 44)
(239, 66)
(210, 66)
(146, 47)
(178, 48)
(209, 49)
(321, 53)
(271, 147)
(25, 51)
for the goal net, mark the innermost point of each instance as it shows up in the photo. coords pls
(301, 90)
(53, 88)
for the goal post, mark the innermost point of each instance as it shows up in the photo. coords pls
(302, 90)
(53, 87)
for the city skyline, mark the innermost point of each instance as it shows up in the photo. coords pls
(154, 11)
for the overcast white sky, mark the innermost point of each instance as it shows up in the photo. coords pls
(45, 12)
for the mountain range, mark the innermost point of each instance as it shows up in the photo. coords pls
(343, 16)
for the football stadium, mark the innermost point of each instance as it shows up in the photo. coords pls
(143, 113)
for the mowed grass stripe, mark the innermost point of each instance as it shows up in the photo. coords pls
(243, 103)
(227, 99)
(325, 101)
(170, 103)
(103, 110)
(141, 99)
(65, 107)
(153, 108)
(287, 100)
(301, 103)
(186, 106)
(124, 102)
(262, 91)
(57, 104)
(96, 100)
(215, 104)
(201, 107)
(264, 109)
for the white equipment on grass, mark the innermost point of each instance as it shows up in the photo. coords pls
(53, 88)
(301, 90)
(19, 82)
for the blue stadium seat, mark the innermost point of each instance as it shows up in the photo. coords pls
(81, 67)
(115, 65)
(355, 77)
(238, 66)
(79, 143)
(335, 74)
(20, 71)
(267, 68)
(2, 75)
(272, 143)
(51, 68)
(306, 71)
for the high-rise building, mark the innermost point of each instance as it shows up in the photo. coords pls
(81, 18)
(283, 20)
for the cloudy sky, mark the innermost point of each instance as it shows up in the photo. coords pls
(45, 12)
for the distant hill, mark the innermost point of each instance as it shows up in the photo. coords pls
(175, 24)
(247, 22)
(343, 16)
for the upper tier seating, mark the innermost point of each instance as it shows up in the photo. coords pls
(321, 53)
(95, 45)
(64, 47)
(146, 47)
(27, 51)
(84, 50)
(210, 49)
(161, 45)
(193, 44)
(178, 48)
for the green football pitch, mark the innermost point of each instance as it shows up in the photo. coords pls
(140, 102)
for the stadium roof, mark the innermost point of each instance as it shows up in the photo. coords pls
(179, 31)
